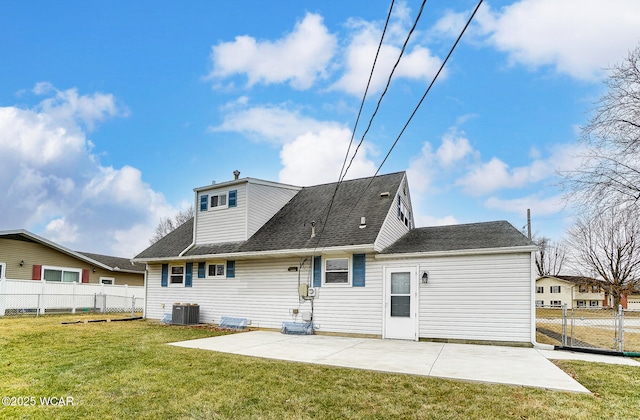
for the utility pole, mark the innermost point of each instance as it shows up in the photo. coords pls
(529, 223)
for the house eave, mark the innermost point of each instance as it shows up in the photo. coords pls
(42, 241)
(244, 181)
(362, 249)
(458, 252)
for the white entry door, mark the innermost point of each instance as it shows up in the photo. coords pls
(400, 303)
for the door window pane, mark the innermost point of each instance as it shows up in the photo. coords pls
(400, 306)
(400, 283)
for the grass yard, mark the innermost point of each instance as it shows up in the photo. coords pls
(125, 370)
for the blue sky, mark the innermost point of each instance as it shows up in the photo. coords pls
(111, 113)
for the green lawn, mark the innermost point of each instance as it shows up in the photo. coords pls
(125, 370)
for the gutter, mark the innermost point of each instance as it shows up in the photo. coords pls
(458, 252)
(258, 254)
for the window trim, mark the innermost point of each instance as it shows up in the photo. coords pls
(552, 288)
(555, 303)
(224, 194)
(539, 289)
(349, 282)
(3, 270)
(539, 303)
(170, 283)
(63, 269)
(216, 264)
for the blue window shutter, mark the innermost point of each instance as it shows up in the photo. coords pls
(317, 271)
(359, 269)
(188, 275)
(202, 270)
(231, 269)
(233, 198)
(165, 275)
(204, 200)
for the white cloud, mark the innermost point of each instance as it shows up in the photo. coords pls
(316, 158)
(487, 177)
(54, 184)
(576, 37)
(539, 205)
(275, 124)
(299, 58)
(417, 62)
(453, 149)
(312, 151)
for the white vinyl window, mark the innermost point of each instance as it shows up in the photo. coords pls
(540, 289)
(176, 274)
(539, 303)
(582, 304)
(556, 303)
(593, 303)
(555, 289)
(61, 274)
(336, 271)
(216, 270)
(218, 201)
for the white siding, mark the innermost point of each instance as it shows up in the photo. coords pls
(481, 297)
(222, 225)
(264, 292)
(393, 228)
(352, 309)
(264, 201)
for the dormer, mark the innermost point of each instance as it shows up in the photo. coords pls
(233, 211)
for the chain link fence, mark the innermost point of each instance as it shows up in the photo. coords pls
(36, 304)
(592, 328)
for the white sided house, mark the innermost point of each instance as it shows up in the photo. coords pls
(272, 253)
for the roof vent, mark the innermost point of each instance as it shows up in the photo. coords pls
(363, 222)
(384, 194)
(313, 229)
(236, 174)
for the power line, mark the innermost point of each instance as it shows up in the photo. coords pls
(342, 175)
(386, 88)
(415, 110)
(355, 126)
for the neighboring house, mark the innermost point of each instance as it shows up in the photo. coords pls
(574, 291)
(267, 252)
(26, 256)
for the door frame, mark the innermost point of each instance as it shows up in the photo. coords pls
(415, 295)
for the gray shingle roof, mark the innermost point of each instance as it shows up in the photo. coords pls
(499, 234)
(290, 228)
(115, 262)
(172, 244)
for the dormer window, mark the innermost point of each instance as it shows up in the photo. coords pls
(219, 201)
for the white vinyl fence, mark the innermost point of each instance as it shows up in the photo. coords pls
(41, 297)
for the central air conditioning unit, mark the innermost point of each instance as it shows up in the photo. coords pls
(185, 314)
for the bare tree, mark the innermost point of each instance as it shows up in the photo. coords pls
(168, 224)
(607, 243)
(610, 172)
(550, 257)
